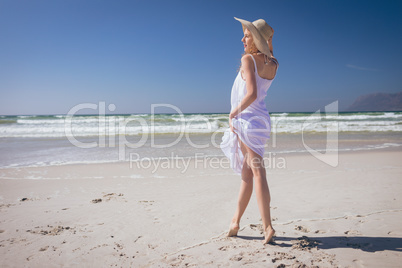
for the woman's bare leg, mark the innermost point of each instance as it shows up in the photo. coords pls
(246, 190)
(256, 163)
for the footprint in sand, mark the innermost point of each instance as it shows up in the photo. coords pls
(254, 226)
(50, 230)
(178, 261)
(147, 204)
(99, 246)
(6, 206)
(304, 243)
(152, 246)
(118, 246)
(44, 248)
(302, 229)
(224, 248)
(108, 197)
(237, 257)
(358, 263)
(113, 196)
(352, 232)
(279, 256)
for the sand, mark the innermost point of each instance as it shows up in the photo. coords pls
(111, 215)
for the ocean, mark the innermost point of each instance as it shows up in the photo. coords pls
(45, 140)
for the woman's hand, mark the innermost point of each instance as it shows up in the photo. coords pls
(230, 123)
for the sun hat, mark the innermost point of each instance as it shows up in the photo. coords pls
(261, 33)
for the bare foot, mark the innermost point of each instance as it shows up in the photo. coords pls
(269, 233)
(233, 229)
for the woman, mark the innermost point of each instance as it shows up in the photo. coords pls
(249, 122)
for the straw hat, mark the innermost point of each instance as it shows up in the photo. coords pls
(261, 33)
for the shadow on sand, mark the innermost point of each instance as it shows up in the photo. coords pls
(365, 243)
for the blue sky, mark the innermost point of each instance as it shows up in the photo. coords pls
(57, 54)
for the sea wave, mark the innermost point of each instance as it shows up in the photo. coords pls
(139, 124)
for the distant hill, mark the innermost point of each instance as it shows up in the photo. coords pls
(378, 102)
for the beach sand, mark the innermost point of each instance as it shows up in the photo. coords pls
(101, 215)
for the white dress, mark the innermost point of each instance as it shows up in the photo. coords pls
(252, 126)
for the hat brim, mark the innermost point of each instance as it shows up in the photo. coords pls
(259, 41)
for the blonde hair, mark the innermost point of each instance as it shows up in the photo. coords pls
(257, 51)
